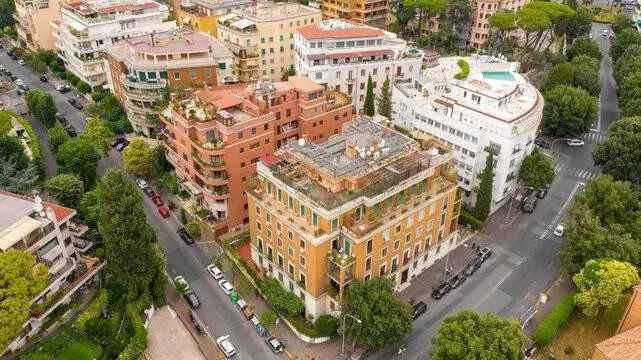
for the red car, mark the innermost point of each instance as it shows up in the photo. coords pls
(164, 212)
(157, 200)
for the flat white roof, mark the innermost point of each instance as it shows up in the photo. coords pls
(242, 23)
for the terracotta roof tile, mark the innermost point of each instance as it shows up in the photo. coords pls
(624, 346)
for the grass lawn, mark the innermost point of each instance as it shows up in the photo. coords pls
(65, 346)
(576, 340)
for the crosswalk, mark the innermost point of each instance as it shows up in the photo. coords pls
(594, 137)
(576, 172)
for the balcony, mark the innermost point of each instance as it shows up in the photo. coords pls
(340, 267)
(142, 95)
(214, 144)
(337, 99)
(147, 84)
(242, 51)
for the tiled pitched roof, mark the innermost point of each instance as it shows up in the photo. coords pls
(624, 346)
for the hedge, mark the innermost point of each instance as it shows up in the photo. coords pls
(556, 319)
(92, 312)
(138, 342)
(283, 301)
(326, 325)
(34, 144)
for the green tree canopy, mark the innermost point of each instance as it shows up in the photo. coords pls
(470, 335)
(7, 8)
(568, 111)
(503, 20)
(133, 259)
(41, 106)
(623, 40)
(585, 60)
(601, 284)
(11, 149)
(21, 278)
(587, 78)
(620, 154)
(484, 193)
(66, 188)
(97, 133)
(559, 74)
(580, 24)
(78, 156)
(57, 136)
(385, 318)
(138, 158)
(584, 46)
(385, 100)
(16, 179)
(537, 170)
(368, 104)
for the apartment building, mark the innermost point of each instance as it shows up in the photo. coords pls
(215, 138)
(89, 27)
(202, 15)
(33, 23)
(495, 109)
(374, 12)
(262, 38)
(368, 202)
(141, 67)
(341, 55)
(47, 231)
(482, 10)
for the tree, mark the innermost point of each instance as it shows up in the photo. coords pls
(584, 46)
(32, 99)
(78, 156)
(368, 105)
(385, 319)
(42, 106)
(326, 325)
(623, 40)
(133, 259)
(560, 74)
(11, 149)
(194, 228)
(137, 158)
(66, 188)
(57, 136)
(568, 111)
(7, 8)
(289, 72)
(160, 163)
(168, 181)
(470, 335)
(585, 60)
(16, 179)
(484, 193)
(36, 64)
(620, 154)
(587, 78)
(630, 94)
(620, 23)
(385, 100)
(537, 170)
(403, 14)
(97, 133)
(579, 24)
(21, 278)
(503, 21)
(601, 284)
(268, 318)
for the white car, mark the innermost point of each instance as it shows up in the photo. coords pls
(226, 346)
(604, 33)
(215, 272)
(142, 183)
(575, 142)
(226, 286)
(559, 231)
(20, 62)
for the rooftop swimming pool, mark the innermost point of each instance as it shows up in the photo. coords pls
(498, 75)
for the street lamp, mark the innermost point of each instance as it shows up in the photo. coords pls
(345, 315)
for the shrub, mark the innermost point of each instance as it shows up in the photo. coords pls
(193, 228)
(282, 300)
(92, 312)
(83, 87)
(550, 326)
(326, 325)
(467, 218)
(34, 144)
(465, 70)
(138, 342)
(5, 123)
(268, 318)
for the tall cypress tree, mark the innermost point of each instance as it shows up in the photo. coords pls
(484, 193)
(368, 105)
(385, 100)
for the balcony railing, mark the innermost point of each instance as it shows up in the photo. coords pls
(148, 84)
(242, 51)
(340, 275)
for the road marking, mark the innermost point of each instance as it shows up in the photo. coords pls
(558, 214)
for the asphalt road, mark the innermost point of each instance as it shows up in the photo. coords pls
(526, 262)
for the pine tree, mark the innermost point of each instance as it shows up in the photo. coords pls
(368, 105)
(484, 193)
(385, 100)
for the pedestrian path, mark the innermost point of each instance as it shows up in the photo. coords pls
(594, 136)
(584, 174)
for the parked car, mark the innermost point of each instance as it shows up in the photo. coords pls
(575, 142)
(473, 266)
(157, 200)
(542, 192)
(192, 299)
(43, 78)
(120, 147)
(71, 131)
(75, 103)
(11, 76)
(21, 62)
(529, 204)
(19, 91)
(149, 192)
(228, 349)
(274, 345)
(226, 286)
(559, 230)
(142, 183)
(214, 271)
(117, 141)
(260, 329)
(63, 88)
(441, 290)
(457, 280)
(24, 86)
(185, 236)
(541, 143)
(485, 253)
(164, 212)
(418, 309)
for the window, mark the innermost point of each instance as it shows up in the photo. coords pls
(302, 260)
(383, 270)
(302, 210)
(442, 218)
(291, 269)
(268, 217)
(290, 202)
(314, 219)
(290, 250)
(281, 262)
(302, 282)
(279, 194)
(396, 244)
(334, 224)
(369, 246)
(302, 243)
(290, 235)
(193, 75)
(368, 264)
(176, 76)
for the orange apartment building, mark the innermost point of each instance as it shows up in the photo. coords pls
(368, 202)
(215, 138)
(141, 67)
(373, 12)
(482, 10)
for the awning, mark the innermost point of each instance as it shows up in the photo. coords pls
(17, 232)
(242, 23)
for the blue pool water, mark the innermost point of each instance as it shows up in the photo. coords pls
(498, 75)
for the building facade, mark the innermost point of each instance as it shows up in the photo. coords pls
(47, 231)
(368, 202)
(341, 55)
(202, 15)
(262, 38)
(87, 28)
(374, 12)
(494, 109)
(33, 23)
(142, 67)
(215, 138)
(482, 10)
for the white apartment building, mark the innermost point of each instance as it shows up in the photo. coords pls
(494, 109)
(46, 230)
(341, 55)
(88, 27)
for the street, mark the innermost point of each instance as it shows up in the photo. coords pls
(525, 263)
